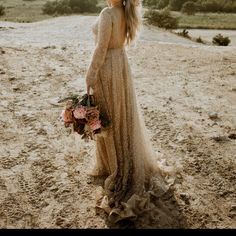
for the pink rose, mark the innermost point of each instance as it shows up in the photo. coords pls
(95, 125)
(66, 115)
(92, 114)
(79, 113)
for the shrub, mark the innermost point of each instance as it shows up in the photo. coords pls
(84, 5)
(199, 40)
(229, 7)
(163, 4)
(217, 5)
(70, 6)
(151, 3)
(202, 5)
(210, 6)
(184, 34)
(220, 40)
(50, 8)
(162, 19)
(176, 5)
(2, 10)
(189, 8)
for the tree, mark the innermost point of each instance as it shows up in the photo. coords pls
(189, 8)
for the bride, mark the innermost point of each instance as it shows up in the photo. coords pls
(124, 154)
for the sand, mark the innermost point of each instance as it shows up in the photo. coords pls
(187, 92)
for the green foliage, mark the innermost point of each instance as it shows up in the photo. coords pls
(176, 5)
(159, 4)
(189, 8)
(70, 6)
(220, 40)
(49, 8)
(217, 5)
(84, 5)
(163, 4)
(228, 6)
(162, 19)
(2, 10)
(150, 3)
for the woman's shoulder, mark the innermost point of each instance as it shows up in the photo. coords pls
(106, 11)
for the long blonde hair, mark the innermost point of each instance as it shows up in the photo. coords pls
(133, 19)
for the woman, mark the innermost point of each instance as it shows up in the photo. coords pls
(124, 154)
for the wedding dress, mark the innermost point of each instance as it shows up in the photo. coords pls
(124, 153)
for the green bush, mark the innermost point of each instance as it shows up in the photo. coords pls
(220, 40)
(176, 5)
(229, 7)
(162, 19)
(61, 7)
(158, 4)
(150, 3)
(189, 8)
(49, 8)
(163, 4)
(2, 10)
(217, 5)
(202, 5)
(84, 5)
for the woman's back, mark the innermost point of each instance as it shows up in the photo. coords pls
(113, 20)
(118, 28)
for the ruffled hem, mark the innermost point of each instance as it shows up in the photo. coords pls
(137, 205)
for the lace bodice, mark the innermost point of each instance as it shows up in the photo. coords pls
(109, 31)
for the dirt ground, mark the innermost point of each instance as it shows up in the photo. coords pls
(187, 92)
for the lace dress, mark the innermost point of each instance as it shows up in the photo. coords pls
(124, 154)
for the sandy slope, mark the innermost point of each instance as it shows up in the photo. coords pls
(43, 169)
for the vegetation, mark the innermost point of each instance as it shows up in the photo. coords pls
(30, 11)
(162, 19)
(220, 40)
(189, 15)
(189, 8)
(2, 10)
(206, 20)
(228, 6)
(70, 6)
(184, 34)
(199, 40)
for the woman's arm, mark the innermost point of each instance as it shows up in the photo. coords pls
(98, 58)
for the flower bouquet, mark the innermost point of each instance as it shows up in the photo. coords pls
(83, 116)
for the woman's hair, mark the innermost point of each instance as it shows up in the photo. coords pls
(133, 19)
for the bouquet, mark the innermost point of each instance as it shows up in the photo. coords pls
(83, 116)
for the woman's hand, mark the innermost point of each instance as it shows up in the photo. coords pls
(88, 89)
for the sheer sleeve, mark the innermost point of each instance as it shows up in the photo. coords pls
(98, 58)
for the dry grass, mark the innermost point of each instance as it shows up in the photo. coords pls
(207, 21)
(23, 11)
